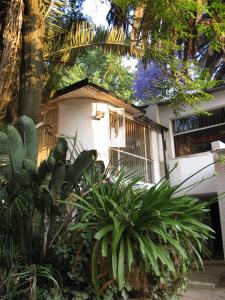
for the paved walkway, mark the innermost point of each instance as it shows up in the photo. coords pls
(200, 294)
(208, 284)
(213, 273)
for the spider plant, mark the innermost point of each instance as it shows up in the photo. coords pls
(149, 230)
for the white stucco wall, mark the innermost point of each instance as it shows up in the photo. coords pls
(187, 165)
(220, 186)
(164, 115)
(77, 118)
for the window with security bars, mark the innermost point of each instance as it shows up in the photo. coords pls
(212, 118)
(47, 139)
(195, 133)
(136, 156)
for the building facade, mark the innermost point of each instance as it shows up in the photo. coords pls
(120, 132)
(193, 145)
(150, 142)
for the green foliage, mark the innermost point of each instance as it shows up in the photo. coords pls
(191, 31)
(178, 20)
(146, 232)
(70, 230)
(102, 68)
(32, 220)
(27, 279)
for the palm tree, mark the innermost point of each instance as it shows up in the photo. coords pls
(37, 35)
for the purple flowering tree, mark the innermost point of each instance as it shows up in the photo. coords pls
(159, 83)
(151, 82)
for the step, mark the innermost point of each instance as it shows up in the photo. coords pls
(202, 285)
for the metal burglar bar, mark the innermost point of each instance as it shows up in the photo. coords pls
(195, 133)
(136, 156)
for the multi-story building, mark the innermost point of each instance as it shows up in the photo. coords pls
(194, 143)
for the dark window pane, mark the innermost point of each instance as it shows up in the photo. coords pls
(135, 142)
(199, 121)
(198, 141)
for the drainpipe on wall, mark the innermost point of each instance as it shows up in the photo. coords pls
(164, 155)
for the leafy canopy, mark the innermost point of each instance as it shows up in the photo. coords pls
(102, 68)
(188, 36)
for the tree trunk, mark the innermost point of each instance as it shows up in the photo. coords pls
(31, 75)
(10, 58)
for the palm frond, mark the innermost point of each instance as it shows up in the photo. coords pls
(66, 45)
(53, 12)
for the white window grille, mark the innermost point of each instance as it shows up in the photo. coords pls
(136, 155)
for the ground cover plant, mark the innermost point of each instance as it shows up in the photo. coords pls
(73, 230)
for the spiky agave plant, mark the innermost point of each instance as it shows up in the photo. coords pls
(142, 231)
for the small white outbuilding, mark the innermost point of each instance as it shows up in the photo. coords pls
(120, 132)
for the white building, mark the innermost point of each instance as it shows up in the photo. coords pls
(100, 120)
(148, 142)
(190, 141)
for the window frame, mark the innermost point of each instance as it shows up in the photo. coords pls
(47, 142)
(194, 130)
(147, 159)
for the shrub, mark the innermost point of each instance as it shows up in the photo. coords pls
(147, 238)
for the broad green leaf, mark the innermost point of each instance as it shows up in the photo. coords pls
(77, 169)
(104, 246)
(176, 245)
(16, 148)
(62, 147)
(28, 132)
(165, 258)
(150, 250)
(77, 226)
(116, 237)
(31, 168)
(58, 177)
(5, 160)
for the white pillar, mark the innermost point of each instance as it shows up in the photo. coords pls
(220, 186)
